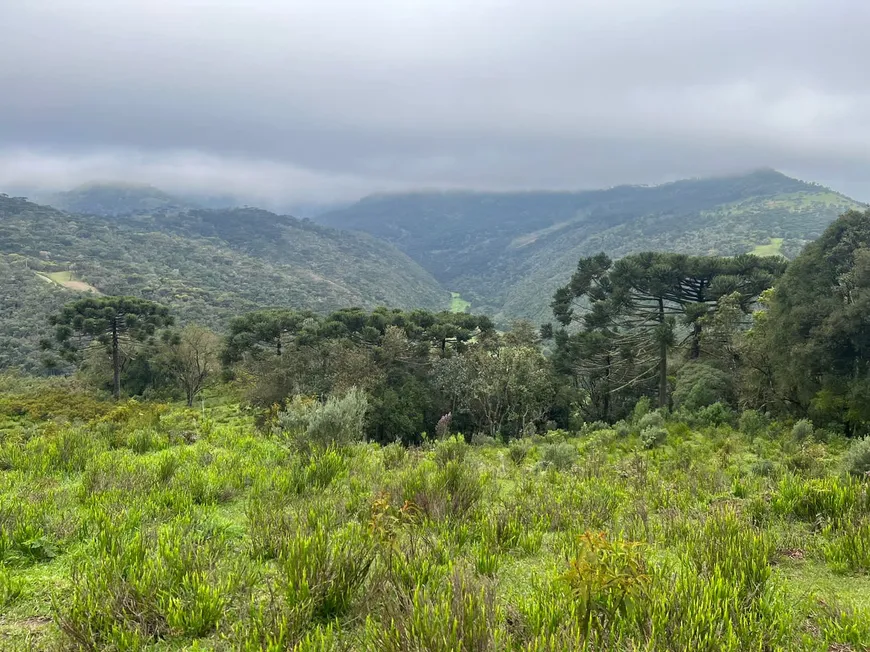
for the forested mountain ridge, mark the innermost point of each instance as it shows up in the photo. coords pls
(104, 198)
(507, 252)
(207, 265)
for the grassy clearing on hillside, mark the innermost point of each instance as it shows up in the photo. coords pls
(457, 303)
(66, 279)
(773, 248)
(152, 527)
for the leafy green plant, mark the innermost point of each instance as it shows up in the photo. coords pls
(325, 572)
(653, 436)
(716, 414)
(518, 450)
(607, 580)
(730, 547)
(460, 614)
(654, 419)
(856, 461)
(802, 430)
(559, 456)
(339, 421)
(847, 549)
(452, 449)
(10, 587)
(753, 423)
(486, 561)
(813, 499)
(137, 589)
(394, 455)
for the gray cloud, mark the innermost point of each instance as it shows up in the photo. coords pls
(332, 99)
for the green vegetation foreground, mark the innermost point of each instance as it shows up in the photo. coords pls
(140, 526)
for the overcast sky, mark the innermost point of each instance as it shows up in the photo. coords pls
(322, 100)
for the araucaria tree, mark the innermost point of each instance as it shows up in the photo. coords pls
(108, 322)
(634, 312)
(263, 331)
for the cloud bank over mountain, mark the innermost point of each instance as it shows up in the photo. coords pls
(304, 101)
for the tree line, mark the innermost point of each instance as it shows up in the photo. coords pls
(686, 332)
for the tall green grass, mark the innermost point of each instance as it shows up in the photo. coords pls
(147, 527)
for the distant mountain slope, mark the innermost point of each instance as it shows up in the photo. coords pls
(103, 198)
(207, 264)
(25, 300)
(507, 252)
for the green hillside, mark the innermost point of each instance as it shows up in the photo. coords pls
(507, 252)
(103, 198)
(208, 265)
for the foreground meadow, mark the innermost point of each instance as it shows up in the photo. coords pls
(142, 526)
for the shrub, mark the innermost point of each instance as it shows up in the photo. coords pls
(753, 423)
(337, 422)
(641, 409)
(452, 449)
(479, 439)
(651, 420)
(700, 385)
(293, 420)
(802, 430)
(622, 429)
(518, 450)
(606, 579)
(809, 458)
(587, 429)
(438, 492)
(856, 461)
(716, 414)
(394, 455)
(653, 436)
(764, 468)
(559, 456)
(461, 486)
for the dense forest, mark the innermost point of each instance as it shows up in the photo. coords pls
(688, 332)
(207, 265)
(507, 252)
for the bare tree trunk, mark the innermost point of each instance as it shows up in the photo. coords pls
(663, 360)
(663, 375)
(695, 352)
(116, 361)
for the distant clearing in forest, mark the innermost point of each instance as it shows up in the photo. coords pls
(457, 303)
(65, 279)
(773, 248)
